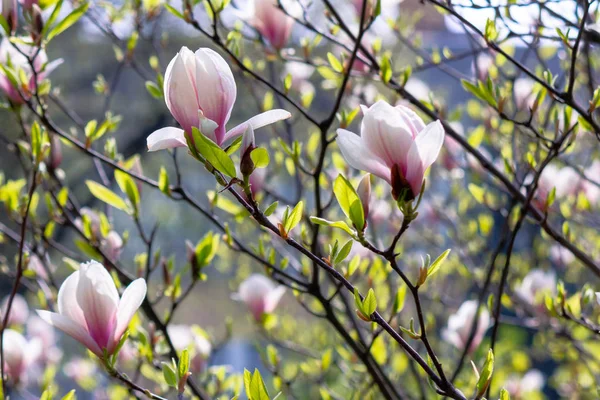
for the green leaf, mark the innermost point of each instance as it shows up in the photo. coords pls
(163, 181)
(271, 209)
(294, 217)
(370, 303)
(184, 363)
(335, 63)
(334, 224)
(437, 263)
(154, 90)
(169, 375)
(386, 68)
(69, 20)
(486, 374)
(357, 301)
(247, 382)
(108, 196)
(4, 25)
(504, 395)
(128, 186)
(214, 154)
(344, 251)
(349, 201)
(258, 390)
(174, 11)
(260, 157)
(52, 17)
(400, 299)
(69, 396)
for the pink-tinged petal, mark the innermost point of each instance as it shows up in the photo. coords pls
(248, 140)
(67, 300)
(358, 156)
(387, 133)
(72, 329)
(99, 300)
(414, 169)
(429, 143)
(51, 66)
(180, 90)
(131, 300)
(258, 121)
(166, 138)
(415, 121)
(273, 298)
(215, 87)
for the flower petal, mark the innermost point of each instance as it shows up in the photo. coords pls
(358, 156)
(67, 300)
(131, 300)
(414, 169)
(258, 121)
(429, 142)
(273, 298)
(72, 329)
(166, 138)
(180, 89)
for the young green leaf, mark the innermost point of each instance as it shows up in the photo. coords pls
(433, 268)
(108, 196)
(294, 217)
(69, 20)
(370, 303)
(260, 157)
(169, 374)
(214, 154)
(349, 201)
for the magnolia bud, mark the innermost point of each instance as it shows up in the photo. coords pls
(37, 23)
(248, 144)
(56, 155)
(191, 256)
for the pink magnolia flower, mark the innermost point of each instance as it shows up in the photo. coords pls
(89, 308)
(19, 355)
(11, 56)
(38, 328)
(260, 294)
(112, 245)
(395, 145)
(200, 92)
(534, 285)
(459, 326)
(19, 310)
(520, 387)
(271, 22)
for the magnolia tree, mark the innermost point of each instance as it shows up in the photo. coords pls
(388, 235)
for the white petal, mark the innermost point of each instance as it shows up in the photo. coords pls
(358, 156)
(180, 89)
(67, 300)
(166, 138)
(131, 300)
(72, 329)
(414, 169)
(273, 298)
(258, 121)
(429, 143)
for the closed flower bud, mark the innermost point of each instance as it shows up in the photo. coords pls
(200, 92)
(10, 14)
(273, 24)
(248, 144)
(90, 310)
(395, 145)
(56, 156)
(260, 294)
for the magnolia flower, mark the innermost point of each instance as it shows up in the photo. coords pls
(200, 92)
(190, 337)
(395, 145)
(79, 369)
(90, 311)
(524, 95)
(535, 284)
(19, 310)
(19, 355)
(459, 326)
(260, 294)
(271, 22)
(9, 55)
(532, 381)
(483, 66)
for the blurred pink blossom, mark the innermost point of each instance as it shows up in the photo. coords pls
(260, 294)
(459, 325)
